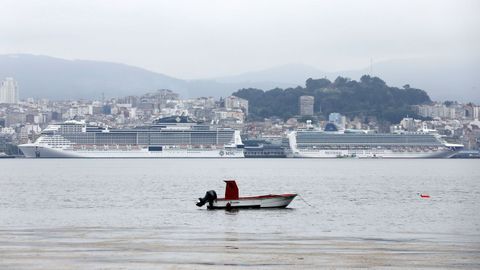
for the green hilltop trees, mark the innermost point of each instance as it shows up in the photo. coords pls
(370, 96)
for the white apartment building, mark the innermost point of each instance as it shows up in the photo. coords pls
(437, 110)
(9, 91)
(233, 102)
(476, 112)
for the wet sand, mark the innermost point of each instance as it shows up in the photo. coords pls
(172, 248)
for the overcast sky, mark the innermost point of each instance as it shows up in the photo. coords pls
(198, 39)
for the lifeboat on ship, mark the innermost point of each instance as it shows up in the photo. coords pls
(232, 200)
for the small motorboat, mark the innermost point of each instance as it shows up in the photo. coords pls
(233, 201)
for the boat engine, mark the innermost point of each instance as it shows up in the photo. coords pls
(210, 196)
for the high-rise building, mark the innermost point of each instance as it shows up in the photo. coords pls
(9, 91)
(306, 105)
(476, 112)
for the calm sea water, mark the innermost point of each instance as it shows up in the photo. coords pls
(58, 204)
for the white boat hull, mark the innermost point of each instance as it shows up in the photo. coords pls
(267, 201)
(39, 151)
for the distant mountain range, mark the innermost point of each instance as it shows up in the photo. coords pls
(55, 78)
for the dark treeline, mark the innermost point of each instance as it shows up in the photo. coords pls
(370, 96)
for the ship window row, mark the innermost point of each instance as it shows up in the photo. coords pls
(340, 139)
(372, 144)
(200, 138)
(364, 147)
(70, 129)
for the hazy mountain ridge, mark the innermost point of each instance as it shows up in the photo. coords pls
(55, 78)
(43, 76)
(443, 78)
(289, 75)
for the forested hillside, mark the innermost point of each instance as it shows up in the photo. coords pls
(370, 96)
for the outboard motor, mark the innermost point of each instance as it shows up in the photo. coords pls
(210, 196)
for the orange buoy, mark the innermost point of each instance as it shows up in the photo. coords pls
(425, 196)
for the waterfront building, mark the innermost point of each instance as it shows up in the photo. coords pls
(337, 119)
(476, 112)
(233, 102)
(306, 105)
(234, 116)
(9, 91)
(409, 124)
(436, 110)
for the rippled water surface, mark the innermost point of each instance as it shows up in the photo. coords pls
(139, 214)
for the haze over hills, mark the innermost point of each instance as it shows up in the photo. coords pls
(289, 75)
(444, 79)
(55, 78)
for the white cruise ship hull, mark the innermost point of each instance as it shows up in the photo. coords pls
(39, 151)
(373, 153)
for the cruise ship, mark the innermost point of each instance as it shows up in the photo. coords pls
(334, 143)
(171, 137)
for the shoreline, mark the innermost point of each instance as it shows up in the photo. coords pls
(147, 248)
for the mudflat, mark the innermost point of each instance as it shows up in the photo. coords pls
(170, 248)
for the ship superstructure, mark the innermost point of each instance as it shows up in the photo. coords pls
(172, 137)
(333, 143)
